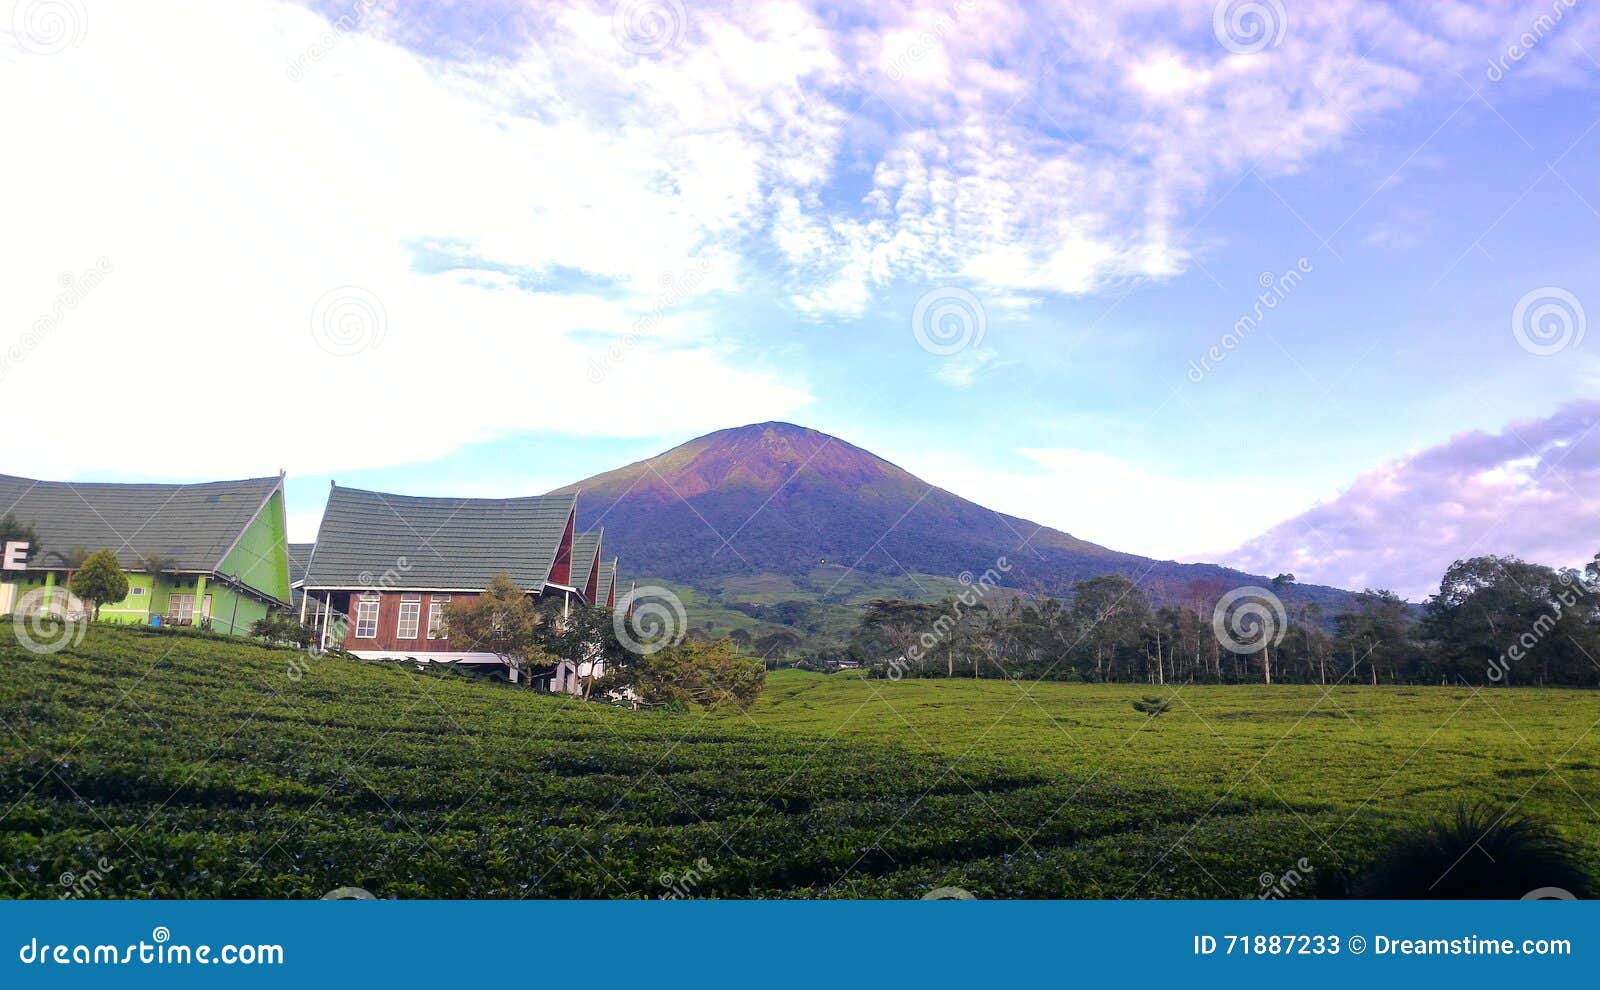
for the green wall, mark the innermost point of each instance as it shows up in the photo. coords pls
(261, 559)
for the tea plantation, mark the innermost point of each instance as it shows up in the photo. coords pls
(145, 764)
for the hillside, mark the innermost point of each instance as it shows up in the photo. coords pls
(771, 513)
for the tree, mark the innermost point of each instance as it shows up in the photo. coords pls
(1111, 616)
(1505, 620)
(12, 530)
(709, 675)
(503, 620)
(99, 580)
(894, 626)
(1380, 632)
(70, 560)
(585, 636)
(158, 565)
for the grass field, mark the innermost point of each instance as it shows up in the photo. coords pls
(171, 765)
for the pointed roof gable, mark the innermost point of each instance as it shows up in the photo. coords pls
(438, 544)
(299, 557)
(605, 595)
(193, 526)
(585, 563)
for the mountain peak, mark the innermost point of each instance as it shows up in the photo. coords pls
(782, 500)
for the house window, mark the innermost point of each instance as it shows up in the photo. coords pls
(367, 617)
(138, 592)
(405, 627)
(180, 608)
(436, 607)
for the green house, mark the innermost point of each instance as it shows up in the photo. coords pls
(204, 554)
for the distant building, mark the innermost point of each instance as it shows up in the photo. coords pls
(385, 568)
(212, 554)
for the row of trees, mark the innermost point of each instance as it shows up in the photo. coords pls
(1495, 620)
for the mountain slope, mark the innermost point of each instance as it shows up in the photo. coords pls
(774, 512)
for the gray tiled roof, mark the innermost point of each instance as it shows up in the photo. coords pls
(371, 539)
(608, 577)
(193, 525)
(585, 550)
(299, 557)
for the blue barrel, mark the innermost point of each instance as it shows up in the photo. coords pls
(155, 621)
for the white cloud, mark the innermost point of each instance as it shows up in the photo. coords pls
(1532, 490)
(232, 182)
(963, 368)
(229, 198)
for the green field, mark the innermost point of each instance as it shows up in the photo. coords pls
(176, 765)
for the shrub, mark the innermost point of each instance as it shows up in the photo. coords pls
(1478, 853)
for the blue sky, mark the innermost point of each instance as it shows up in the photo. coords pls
(494, 248)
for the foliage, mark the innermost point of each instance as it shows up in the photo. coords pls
(710, 675)
(281, 627)
(584, 635)
(99, 580)
(13, 530)
(1479, 853)
(1527, 623)
(1496, 620)
(1152, 707)
(503, 620)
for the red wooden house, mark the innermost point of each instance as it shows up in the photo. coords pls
(384, 567)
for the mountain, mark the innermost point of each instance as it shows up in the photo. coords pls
(774, 516)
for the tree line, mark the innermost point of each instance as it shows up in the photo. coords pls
(1495, 620)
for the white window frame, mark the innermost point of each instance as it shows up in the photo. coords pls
(367, 624)
(436, 607)
(180, 607)
(409, 620)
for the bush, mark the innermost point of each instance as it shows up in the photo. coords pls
(280, 627)
(1477, 854)
(693, 673)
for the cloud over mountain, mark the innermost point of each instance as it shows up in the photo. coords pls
(1532, 490)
